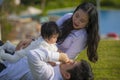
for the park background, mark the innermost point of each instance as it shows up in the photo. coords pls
(21, 19)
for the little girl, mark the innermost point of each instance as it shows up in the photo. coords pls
(47, 41)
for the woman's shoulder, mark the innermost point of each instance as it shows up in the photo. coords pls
(63, 18)
(68, 15)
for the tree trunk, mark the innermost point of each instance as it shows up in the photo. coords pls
(43, 2)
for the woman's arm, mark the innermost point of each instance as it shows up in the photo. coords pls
(75, 48)
(74, 44)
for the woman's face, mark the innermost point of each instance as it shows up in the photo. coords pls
(80, 19)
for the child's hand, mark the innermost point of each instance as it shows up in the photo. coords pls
(59, 51)
(52, 63)
(63, 58)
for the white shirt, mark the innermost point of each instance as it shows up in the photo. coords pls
(75, 41)
(40, 69)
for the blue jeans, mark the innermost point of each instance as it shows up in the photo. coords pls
(27, 76)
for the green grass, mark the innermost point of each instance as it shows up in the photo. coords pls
(108, 65)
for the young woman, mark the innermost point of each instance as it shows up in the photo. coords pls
(80, 29)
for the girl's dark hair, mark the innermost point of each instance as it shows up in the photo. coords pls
(82, 71)
(92, 29)
(48, 29)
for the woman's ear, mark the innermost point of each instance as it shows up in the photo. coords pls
(66, 75)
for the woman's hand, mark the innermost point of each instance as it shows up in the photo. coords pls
(23, 44)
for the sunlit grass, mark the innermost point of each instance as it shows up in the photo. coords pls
(108, 65)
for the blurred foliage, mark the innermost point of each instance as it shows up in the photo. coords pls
(55, 4)
(9, 7)
(110, 3)
(5, 9)
(6, 28)
(30, 2)
(92, 1)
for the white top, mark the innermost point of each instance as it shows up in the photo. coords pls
(76, 40)
(40, 69)
(23, 52)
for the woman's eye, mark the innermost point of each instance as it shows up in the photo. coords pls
(77, 15)
(82, 21)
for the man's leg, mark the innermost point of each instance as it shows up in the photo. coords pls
(2, 66)
(1, 43)
(27, 76)
(9, 47)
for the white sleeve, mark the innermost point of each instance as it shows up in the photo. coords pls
(14, 58)
(45, 55)
(60, 21)
(10, 58)
(40, 69)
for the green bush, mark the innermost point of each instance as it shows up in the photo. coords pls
(6, 29)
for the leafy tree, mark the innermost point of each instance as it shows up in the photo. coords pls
(110, 3)
(6, 8)
(92, 1)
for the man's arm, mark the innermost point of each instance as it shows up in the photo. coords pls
(23, 44)
(38, 66)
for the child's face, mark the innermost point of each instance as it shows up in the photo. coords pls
(52, 39)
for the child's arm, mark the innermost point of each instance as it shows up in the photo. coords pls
(62, 58)
(59, 51)
(52, 63)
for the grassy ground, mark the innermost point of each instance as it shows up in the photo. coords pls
(108, 65)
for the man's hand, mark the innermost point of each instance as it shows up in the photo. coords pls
(23, 44)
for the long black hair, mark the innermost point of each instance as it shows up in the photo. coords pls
(92, 29)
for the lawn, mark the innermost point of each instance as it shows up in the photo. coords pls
(108, 65)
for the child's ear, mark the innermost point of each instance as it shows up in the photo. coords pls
(66, 75)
